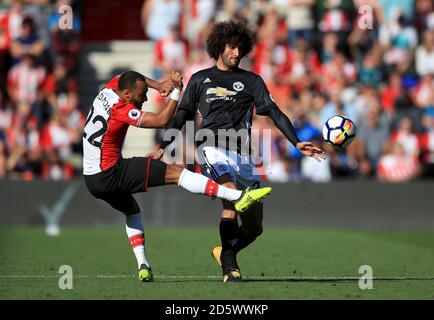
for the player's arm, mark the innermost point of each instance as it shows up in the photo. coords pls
(177, 122)
(282, 122)
(160, 120)
(185, 112)
(164, 87)
(266, 106)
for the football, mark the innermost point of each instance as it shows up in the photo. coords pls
(339, 131)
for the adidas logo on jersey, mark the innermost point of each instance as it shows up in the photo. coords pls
(207, 80)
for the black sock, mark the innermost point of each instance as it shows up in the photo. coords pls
(229, 238)
(244, 239)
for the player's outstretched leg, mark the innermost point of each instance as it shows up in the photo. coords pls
(136, 235)
(197, 183)
(126, 204)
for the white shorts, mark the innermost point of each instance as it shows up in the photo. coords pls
(215, 162)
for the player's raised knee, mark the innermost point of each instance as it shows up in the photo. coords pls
(173, 173)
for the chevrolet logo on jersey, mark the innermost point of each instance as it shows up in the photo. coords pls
(221, 92)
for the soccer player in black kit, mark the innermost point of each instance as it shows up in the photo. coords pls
(223, 97)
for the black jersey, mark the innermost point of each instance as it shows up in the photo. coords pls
(225, 99)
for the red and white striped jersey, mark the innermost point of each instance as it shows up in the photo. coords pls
(397, 169)
(105, 129)
(26, 81)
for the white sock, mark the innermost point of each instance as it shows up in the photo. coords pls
(136, 235)
(198, 183)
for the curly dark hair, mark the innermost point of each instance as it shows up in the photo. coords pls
(229, 33)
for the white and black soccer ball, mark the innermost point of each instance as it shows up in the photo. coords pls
(339, 131)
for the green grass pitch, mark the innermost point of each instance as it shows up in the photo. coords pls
(282, 264)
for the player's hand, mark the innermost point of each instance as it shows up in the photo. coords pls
(156, 155)
(165, 88)
(308, 149)
(176, 79)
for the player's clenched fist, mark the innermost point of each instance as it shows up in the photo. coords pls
(165, 87)
(176, 79)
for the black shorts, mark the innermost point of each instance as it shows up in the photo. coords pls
(128, 176)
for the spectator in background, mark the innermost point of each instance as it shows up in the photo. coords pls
(394, 8)
(406, 138)
(373, 133)
(425, 54)
(158, 17)
(170, 53)
(427, 143)
(55, 135)
(75, 119)
(271, 47)
(6, 115)
(335, 106)
(65, 43)
(400, 40)
(200, 13)
(405, 108)
(4, 56)
(338, 70)
(240, 9)
(305, 67)
(25, 80)
(300, 20)
(329, 47)
(15, 164)
(306, 132)
(53, 168)
(268, 56)
(2, 155)
(370, 71)
(268, 26)
(424, 92)
(335, 16)
(24, 149)
(397, 166)
(11, 21)
(424, 15)
(60, 90)
(197, 60)
(5, 38)
(319, 100)
(317, 172)
(28, 42)
(279, 89)
(275, 167)
(390, 92)
(362, 40)
(33, 154)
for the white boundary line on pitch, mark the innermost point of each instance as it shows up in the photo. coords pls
(217, 278)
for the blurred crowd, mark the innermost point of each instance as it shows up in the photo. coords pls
(371, 60)
(40, 117)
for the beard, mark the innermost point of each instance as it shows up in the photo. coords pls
(228, 63)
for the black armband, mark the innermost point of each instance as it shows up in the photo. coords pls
(284, 124)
